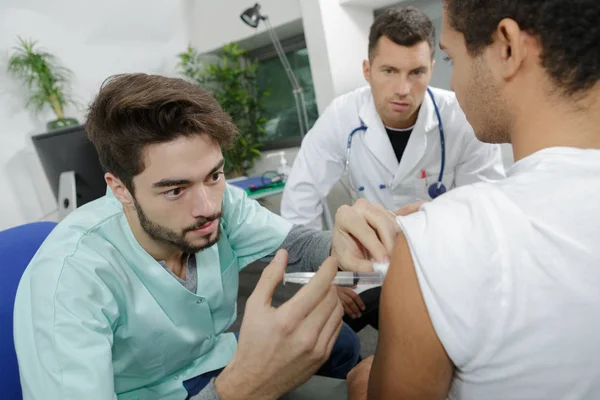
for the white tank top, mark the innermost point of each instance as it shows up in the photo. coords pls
(510, 274)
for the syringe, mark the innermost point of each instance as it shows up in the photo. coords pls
(347, 279)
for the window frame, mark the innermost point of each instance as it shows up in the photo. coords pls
(268, 52)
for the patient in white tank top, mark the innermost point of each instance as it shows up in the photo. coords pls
(493, 290)
(510, 275)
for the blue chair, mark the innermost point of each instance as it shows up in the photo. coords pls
(17, 247)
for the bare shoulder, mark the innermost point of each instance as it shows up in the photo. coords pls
(408, 344)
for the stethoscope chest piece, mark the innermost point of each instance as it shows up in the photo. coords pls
(436, 190)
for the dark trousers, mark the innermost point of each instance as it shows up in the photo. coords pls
(344, 356)
(370, 316)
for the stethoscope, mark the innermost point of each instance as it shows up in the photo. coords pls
(436, 188)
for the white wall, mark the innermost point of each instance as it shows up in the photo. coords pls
(337, 39)
(94, 39)
(97, 39)
(215, 23)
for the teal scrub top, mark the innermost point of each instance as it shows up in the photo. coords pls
(96, 317)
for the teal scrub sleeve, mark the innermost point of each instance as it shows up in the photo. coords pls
(71, 356)
(253, 231)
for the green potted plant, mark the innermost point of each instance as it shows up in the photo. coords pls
(45, 78)
(232, 80)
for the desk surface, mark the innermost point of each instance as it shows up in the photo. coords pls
(262, 195)
(243, 182)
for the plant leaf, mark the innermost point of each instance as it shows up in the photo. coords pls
(42, 73)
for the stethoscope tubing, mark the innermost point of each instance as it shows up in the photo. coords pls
(437, 188)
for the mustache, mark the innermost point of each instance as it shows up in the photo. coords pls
(200, 222)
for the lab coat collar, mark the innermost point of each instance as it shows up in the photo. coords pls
(379, 143)
(416, 147)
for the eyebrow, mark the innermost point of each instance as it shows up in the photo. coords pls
(165, 183)
(442, 47)
(217, 167)
(422, 67)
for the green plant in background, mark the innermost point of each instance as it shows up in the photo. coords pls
(233, 81)
(45, 78)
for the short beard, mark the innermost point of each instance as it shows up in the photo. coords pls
(486, 100)
(173, 239)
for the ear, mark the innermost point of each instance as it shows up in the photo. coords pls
(367, 70)
(510, 46)
(119, 189)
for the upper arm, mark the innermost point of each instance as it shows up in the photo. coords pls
(252, 230)
(410, 361)
(316, 169)
(441, 305)
(307, 249)
(64, 336)
(323, 144)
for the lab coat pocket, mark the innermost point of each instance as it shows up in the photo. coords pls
(421, 185)
(420, 189)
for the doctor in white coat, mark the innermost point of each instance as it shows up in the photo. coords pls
(394, 142)
(396, 110)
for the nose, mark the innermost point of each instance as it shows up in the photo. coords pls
(403, 87)
(204, 203)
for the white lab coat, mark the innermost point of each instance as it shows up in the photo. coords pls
(320, 162)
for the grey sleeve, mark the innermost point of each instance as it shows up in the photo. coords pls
(307, 249)
(207, 393)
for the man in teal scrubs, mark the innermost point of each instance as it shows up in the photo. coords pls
(131, 295)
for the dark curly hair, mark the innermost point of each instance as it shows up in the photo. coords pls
(568, 30)
(132, 111)
(405, 26)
